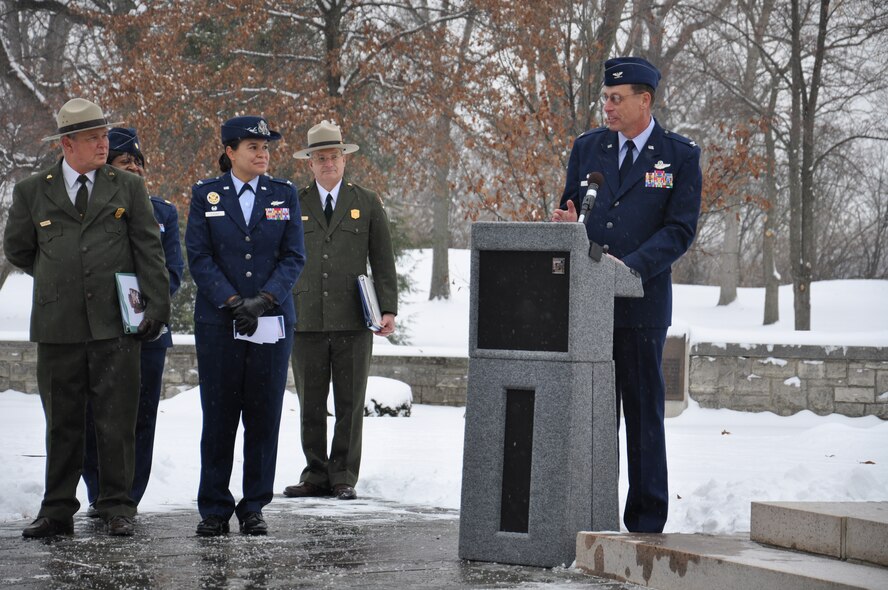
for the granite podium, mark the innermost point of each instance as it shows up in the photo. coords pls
(540, 461)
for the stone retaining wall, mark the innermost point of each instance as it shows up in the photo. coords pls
(783, 379)
(433, 380)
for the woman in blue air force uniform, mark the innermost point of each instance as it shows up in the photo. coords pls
(245, 252)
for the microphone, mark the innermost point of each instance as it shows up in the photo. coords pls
(595, 180)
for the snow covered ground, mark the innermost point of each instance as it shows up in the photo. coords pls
(719, 460)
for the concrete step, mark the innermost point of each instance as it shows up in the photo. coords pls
(705, 562)
(846, 530)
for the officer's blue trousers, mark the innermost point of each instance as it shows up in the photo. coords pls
(239, 380)
(638, 356)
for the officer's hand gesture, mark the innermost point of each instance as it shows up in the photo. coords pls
(569, 215)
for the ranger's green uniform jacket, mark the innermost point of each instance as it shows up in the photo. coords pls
(73, 263)
(326, 293)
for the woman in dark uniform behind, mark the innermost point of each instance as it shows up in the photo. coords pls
(125, 153)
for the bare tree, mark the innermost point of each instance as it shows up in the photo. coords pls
(49, 50)
(824, 56)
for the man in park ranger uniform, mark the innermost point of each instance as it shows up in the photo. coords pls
(72, 227)
(345, 228)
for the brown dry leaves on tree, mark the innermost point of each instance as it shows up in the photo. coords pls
(188, 66)
(732, 167)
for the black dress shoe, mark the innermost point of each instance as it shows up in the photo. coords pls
(91, 512)
(48, 527)
(212, 526)
(121, 526)
(254, 524)
(343, 491)
(306, 489)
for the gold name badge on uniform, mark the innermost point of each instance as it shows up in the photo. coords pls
(356, 213)
(119, 213)
(305, 218)
(213, 198)
(45, 223)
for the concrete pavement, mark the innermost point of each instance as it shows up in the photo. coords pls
(313, 543)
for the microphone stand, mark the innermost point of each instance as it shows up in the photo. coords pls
(595, 179)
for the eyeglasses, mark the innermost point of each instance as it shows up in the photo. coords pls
(615, 98)
(333, 159)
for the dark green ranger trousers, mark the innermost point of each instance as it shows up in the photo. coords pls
(106, 374)
(318, 358)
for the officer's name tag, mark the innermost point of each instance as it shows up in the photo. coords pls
(214, 214)
(277, 213)
(658, 179)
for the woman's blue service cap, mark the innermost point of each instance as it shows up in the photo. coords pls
(248, 127)
(124, 139)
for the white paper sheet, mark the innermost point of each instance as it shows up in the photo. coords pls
(270, 330)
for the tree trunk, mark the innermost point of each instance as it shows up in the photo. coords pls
(730, 259)
(770, 276)
(807, 247)
(796, 252)
(332, 14)
(440, 285)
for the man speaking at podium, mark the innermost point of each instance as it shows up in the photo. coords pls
(644, 214)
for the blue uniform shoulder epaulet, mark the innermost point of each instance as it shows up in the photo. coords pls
(591, 132)
(207, 181)
(161, 201)
(280, 180)
(679, 138)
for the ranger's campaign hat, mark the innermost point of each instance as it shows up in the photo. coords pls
(323, 136)
(79, 114)
(630, 70)
(248, 127)
(123, 140)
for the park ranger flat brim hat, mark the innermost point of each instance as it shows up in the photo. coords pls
(324, 136)
(79, 114)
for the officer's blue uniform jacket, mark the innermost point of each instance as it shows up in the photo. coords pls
(168, 220)
(228, 256)
(649, 221)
